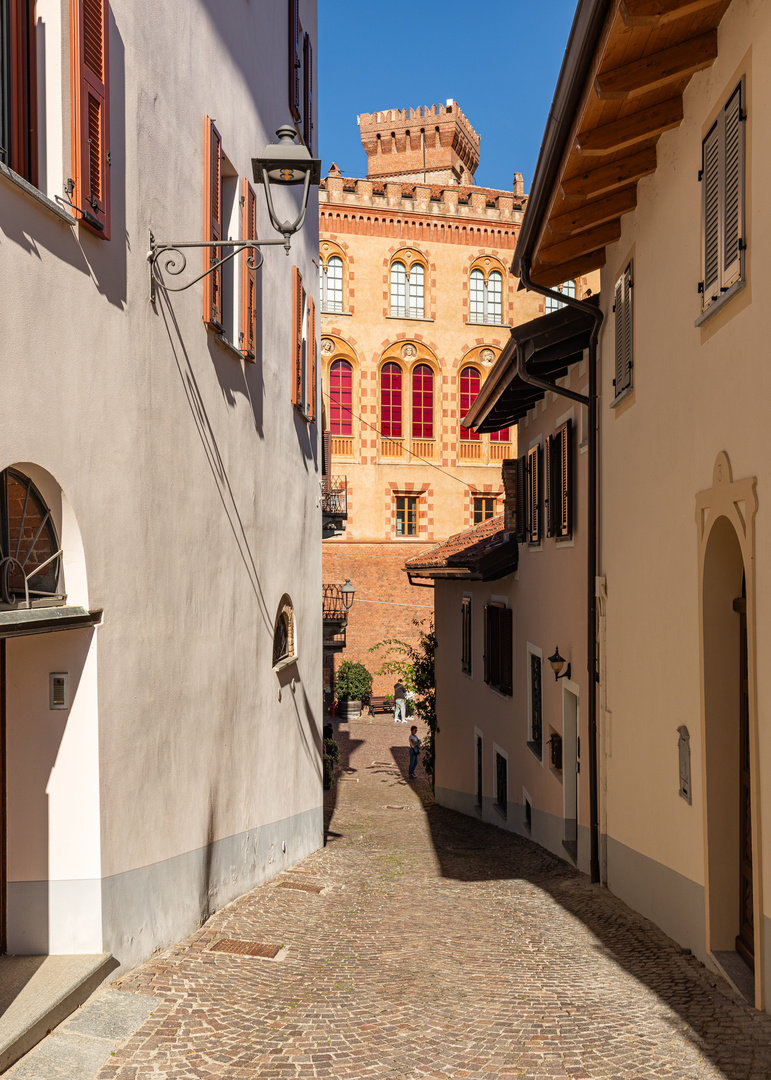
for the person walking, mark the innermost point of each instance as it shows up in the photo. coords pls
(400, 703)
(414, 750)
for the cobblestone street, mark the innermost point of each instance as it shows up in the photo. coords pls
(438, 947)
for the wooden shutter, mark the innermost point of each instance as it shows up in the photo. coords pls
(310, 346)
(534, 494)
(521, 501)
(248, 275)
(506, 637)
(91, 114)
(212, 224)
(733, 190)
(623, 311)
(294, 59)
(710, 197)
(326, 458)
(549, 495)
(298, 297)
(564, 472)
(308, 93)
(486, 656)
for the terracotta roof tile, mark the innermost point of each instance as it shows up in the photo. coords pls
(463, 549)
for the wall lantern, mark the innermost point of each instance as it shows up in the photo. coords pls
(283, 164)
(348, 592)
(557, 663)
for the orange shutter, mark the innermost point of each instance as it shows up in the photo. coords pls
(248, 275)
(91, 114)
(294, 58)
(308, 93)
(311, 346)
(297, 338)
(212, 224)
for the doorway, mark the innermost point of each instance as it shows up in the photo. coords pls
(745, 939)
(570, 767)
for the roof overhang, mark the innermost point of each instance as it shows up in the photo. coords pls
(21, 622)
(495, 563)
(626, 67)
(549, 345)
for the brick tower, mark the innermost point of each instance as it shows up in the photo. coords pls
(435, 145)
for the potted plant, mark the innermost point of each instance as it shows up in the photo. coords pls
(353, 684)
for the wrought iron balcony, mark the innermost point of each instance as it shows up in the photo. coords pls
(335, 618)
(334, 504)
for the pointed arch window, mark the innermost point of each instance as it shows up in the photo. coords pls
(408, 290)
(486, 297)
(391, 401)
(470, 383)
(30, 557)
(422, 402)
(340, 398)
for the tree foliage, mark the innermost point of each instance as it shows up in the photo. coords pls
(352, 682)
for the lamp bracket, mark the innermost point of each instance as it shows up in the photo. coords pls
(176, 262)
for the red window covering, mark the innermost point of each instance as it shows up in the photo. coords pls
(469, 388)
(248, 275)
(341, 398)
(91, 114)
(422, 402)
(298, 297)
(212, 224)
(294, 59)
(499, 436)
(391, 401)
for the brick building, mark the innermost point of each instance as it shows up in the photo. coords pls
(417, 302)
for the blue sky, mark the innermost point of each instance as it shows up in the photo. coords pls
(499, 59)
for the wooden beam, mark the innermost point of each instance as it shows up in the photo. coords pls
(607, 178)
(659, 12)
(582, 244)
(646, 124)
(568, 271)
(594, 213)
(659, 68)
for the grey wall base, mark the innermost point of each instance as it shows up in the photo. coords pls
(155, 906)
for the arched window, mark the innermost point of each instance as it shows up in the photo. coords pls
(331, 284)
(422, 402)
(340, 398)
(29, 548)
(408, 290)
(391, 401)
(469, 388)
(567, 288)
(486, 297)
(284, 639)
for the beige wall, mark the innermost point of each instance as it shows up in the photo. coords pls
(697, 392)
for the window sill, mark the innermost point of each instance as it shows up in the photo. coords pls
(466, 673)
(721, 301)
(226, 343)
(410, 318)
(410, 539)
(345, 314)
(500, 325)
(497, 690)
(37, 195)
(536, 751)
(625, 393)
(286, 662)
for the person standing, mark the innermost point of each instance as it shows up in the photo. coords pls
(414, 750)
(400, 703)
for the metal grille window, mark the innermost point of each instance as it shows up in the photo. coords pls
(406, 515)
(567, 288)
(340, 398)
(486, 297)
(422, 402)
(536, 718)
(30, 557)
(501, 783)
(391, 401)
(722, 178)
(465, 658)
(331, 284)
(498, 647)
(470, 382)
(622, 307)
(484, 509)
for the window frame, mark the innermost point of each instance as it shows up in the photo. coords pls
(486, 295)
(534, 495)
(87, 86)
(498, 647)
(407, 295)
(465, 401)
(551, 305)
(337, 405)
(411, 514)
(325, 304)
(304, 351)
(623, 308)
(466, 664)
(535, 701)
(558, 497)
(500, 794)
(386, 409)
(419, 395)
(485, 516)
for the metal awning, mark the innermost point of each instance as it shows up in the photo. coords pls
(550, 344)
(20, 622)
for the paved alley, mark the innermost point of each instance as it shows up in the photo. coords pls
(437, 947)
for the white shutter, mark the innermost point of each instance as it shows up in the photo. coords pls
(733, 190)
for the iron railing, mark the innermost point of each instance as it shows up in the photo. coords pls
(334, 496)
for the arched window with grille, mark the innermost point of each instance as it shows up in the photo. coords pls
(422, 402)
(408, 290)
(469, 388)
(567, 288)
(486, 296)
(331, 284)
(340, 398)
(391, 401)
(30, 558)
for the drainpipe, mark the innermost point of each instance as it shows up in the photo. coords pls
(590, 401)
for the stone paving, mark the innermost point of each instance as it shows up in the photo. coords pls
(439, 947)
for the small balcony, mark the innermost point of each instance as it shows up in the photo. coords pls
(334, 504)
(335, 618)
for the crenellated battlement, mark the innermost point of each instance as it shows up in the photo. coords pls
(431, 143)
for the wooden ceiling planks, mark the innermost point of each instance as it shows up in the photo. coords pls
(648, 52)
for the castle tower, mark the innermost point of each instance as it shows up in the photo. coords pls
(435, 145)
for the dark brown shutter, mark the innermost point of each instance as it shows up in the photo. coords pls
(521, 501)
(549, 494)
(710, 176)
(623, 311)
(294, 59)
(326, 457)
(308, 93)
(486, 656)
(733, 180)
(505, 681)
(534, 494)
(564, 449)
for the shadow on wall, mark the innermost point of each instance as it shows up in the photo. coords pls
(473, 851)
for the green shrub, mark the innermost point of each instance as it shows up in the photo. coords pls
(332, 750)
(352, 682)
(329, 772)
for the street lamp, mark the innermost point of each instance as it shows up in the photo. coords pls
(557, 663)
(348, 592)
(283, 164)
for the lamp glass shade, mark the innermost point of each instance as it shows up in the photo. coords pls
(348, 592)
(557, 662)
